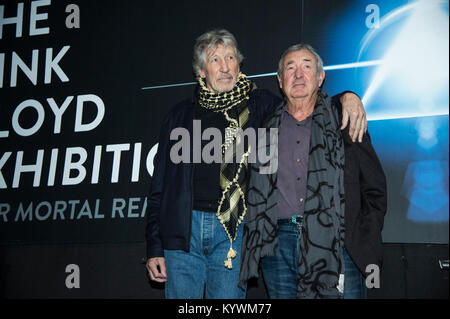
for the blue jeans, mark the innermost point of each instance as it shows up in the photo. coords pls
(201, 273)
(354, 282)
(280, 271)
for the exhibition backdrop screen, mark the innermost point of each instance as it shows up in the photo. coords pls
(85, 85)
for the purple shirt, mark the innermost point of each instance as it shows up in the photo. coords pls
(293, 155)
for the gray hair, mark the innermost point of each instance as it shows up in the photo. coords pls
(211, 39)
(298, 47)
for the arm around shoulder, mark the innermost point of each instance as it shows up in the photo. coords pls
(352, 110)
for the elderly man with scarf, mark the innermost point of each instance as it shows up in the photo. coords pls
(318, 209)
(196, 208)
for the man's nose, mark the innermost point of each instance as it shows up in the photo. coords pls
(298, 73)
(224, 67)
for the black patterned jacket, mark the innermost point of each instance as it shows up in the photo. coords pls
(365, 200)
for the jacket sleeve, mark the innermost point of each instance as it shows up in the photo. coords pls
(266, 103)
(372, 179)
(154, 246)
(337, 98)
(272, 102)
(372, 182)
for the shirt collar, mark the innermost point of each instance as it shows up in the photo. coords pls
(285, 115)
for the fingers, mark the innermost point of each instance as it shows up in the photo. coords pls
(363, 128)
(345, 117)
(157, 269)
(162, 267)
(355, 125)
(353, 110)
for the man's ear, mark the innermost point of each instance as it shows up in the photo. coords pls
(201, 73)
(279, 82)
(321, 78)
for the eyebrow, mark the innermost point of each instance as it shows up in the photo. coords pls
(293, 61)
(289, 62)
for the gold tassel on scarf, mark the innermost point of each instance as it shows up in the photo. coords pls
(231, 254)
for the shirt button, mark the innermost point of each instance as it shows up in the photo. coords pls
(298, 160)
(298, 178)
(301, 200)
(298, 142)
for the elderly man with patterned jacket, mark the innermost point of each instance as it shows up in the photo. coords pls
(315, 214)
(196, 207)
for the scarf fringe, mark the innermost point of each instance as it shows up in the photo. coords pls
(227, 262)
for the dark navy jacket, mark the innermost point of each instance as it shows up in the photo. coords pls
(170, 199)
(365, 201)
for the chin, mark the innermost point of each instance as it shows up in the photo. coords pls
(223, 88)
(299, 94)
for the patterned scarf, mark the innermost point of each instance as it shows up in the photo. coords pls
(233, 171)
(321, 262)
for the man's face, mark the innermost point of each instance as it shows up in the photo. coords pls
(300, 78)
(221, 68)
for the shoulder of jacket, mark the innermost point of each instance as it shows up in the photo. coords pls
(263, 94)
(181, 106)
(179, 109)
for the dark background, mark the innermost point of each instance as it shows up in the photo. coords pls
(120, 48)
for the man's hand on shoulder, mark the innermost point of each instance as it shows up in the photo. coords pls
(353, 110)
